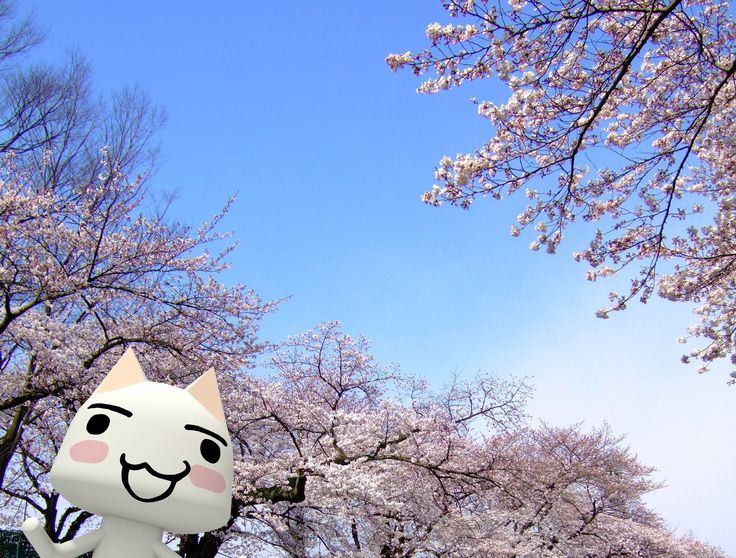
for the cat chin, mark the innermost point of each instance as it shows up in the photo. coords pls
(182, 512)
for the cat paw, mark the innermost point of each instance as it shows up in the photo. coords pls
(30, 524)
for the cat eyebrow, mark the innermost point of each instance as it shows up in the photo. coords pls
(115, 408)
(205, 431)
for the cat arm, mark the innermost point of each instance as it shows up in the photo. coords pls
(41, 543)
(163, 551)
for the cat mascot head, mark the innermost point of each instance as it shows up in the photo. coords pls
(149, 452)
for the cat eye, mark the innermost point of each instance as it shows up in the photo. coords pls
(98, 424)
(210, 451)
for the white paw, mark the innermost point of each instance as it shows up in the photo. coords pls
(30, 524)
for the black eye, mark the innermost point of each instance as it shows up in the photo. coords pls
(210, 451)
(98, 424)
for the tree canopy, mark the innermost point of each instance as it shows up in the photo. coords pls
(620, 114)
(338, 455)
(89, 262)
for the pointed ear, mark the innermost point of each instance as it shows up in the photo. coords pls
(126, 372)
(204, 389)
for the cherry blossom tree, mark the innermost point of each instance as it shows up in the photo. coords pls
(337, 455)
(89, 261)
(619, 114)
(87, 271)
(301, 435)
(343, 457)
(26, 487)
(91, 264)
(327, 433)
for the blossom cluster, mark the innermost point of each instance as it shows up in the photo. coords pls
(337, 455)
(642, 91)
(391, 468)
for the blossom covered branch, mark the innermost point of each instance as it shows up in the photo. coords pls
(620, 113)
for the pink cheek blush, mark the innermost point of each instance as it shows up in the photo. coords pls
(89, 451)
(209, 479)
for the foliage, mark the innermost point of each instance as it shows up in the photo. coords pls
(91, 264)
(339, 456)
(620, 113)
(393, 469)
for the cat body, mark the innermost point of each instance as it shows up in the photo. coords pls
(148, 458)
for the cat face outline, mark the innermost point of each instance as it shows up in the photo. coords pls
(149, 452)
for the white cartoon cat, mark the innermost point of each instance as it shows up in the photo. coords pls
(148, 458)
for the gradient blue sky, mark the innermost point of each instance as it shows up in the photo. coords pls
(291, 105)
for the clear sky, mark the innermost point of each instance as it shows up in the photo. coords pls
(290, 105)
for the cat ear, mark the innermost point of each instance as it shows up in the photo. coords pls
(126, 372)
(204, 389)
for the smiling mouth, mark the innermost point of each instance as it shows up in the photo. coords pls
(145, 484)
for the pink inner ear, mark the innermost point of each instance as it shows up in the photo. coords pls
(209, 479)
(89, 451)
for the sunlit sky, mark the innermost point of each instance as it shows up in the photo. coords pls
(290, 105)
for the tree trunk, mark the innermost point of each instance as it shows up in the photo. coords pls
(10, 440)
(196, 546)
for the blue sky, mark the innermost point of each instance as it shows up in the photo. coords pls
(291, 105)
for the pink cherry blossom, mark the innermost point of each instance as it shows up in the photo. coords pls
(619, 114)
